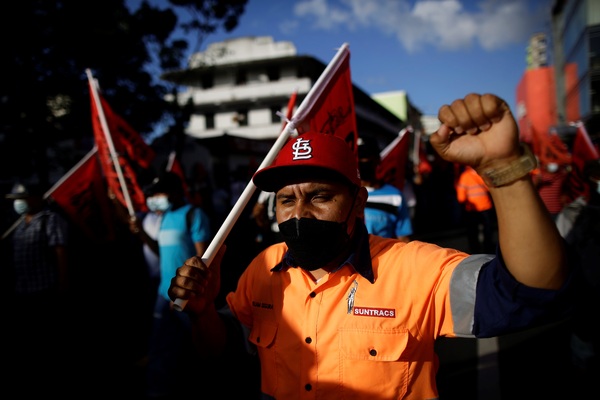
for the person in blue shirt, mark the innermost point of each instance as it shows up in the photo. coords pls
(386, 211)
(184, 232)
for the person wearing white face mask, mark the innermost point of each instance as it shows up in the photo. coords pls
(184, 231)
(36, 305)
(335, 312)
(39, 229)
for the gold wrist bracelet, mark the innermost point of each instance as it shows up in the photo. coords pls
(513, 171)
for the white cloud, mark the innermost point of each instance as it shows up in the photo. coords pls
(419, 24)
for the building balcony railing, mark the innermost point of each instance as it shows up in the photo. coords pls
(250, 92)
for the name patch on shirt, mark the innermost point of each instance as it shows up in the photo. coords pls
(262, 305)
(374, 312)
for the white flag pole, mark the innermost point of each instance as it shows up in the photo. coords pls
(171, 160)
(12, 227)
(244, 198)
(416, 148)
(111, 147)
(71, 171)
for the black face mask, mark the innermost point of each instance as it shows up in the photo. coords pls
(314, 243)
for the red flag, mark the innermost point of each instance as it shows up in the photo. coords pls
(583, 148)
(126, 139)
(553, 150)
(393, 160)
(583, 151)
(81, 194)
(290, 108)
(330, 108)
(117, 170)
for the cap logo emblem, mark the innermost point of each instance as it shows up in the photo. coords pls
(301, 149)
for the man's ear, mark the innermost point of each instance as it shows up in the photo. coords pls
(361, 201)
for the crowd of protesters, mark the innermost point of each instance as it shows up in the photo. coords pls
(104, 337)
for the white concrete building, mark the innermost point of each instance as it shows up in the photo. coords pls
(235, 89)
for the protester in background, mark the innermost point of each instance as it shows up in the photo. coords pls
(584, 239)
(184, 232)
(386, 211)
(478, 211)
(40, 257)
(239, 181)
(263, 213)
(151, 222)
(150, 225)
(37, 324)
(334, 312)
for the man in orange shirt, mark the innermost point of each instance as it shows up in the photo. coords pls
(334, 312)
(474, 196)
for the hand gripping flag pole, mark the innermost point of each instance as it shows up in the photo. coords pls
(305, 110)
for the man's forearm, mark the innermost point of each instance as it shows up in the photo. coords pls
(531, 245)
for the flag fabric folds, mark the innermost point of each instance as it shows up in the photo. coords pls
(290, 107)
(329, 108)
(394, 159)
(127, 140)
(583, 150)
(118, 147)
(81, 194)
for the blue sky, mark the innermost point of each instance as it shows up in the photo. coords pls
(435, 50)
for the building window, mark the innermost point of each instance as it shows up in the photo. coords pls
(241, 117)
(241, 77)
(210, 121)
(274, 117)
(207, 81)
(273, 73)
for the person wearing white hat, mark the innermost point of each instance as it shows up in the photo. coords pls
(36, 322)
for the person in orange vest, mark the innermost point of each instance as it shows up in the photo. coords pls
(479, 214)
(333, 312)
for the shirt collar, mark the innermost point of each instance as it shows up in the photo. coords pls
(359, 259)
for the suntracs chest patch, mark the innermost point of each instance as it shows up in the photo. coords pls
(374, 312)
(367, 311)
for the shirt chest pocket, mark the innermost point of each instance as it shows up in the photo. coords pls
(263, 334)
(374, 358)
(375, 345)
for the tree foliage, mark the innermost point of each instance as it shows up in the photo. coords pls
(48, 45)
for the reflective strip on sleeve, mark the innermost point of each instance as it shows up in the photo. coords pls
(463, 287)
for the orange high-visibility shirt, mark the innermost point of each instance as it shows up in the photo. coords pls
(472, 191)
(346, 337)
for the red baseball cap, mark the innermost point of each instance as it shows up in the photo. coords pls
(310, 155)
